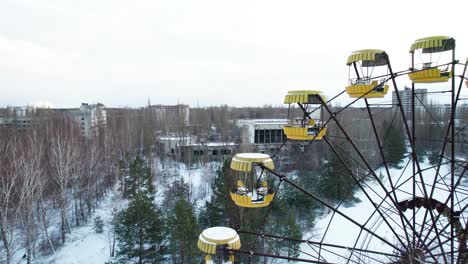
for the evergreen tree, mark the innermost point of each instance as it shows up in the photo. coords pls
(336, 183)
(434, 157)
(290, 196)
(98, 224)
(184, 231)
(215, 212)
(140, 232)
(139, 180)
(394, 144)
(140, 228)
(291, 229)
(178, 190)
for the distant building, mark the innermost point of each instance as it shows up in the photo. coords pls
(90, 118)
(406, 100)
(170, 145)
(263, 135)
(188, 150)
(207, 151)
(18, 117)
(173, 116)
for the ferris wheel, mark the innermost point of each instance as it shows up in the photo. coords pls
(415, 213)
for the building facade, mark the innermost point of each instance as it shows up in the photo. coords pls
(173, 116)
(18, 117)
(262, 135)
(91, 118)
(406, 100)
(187, 149)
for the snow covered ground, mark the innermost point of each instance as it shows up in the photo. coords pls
(84, 245)
(336, 229)
(199, 178)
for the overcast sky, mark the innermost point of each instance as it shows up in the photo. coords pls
(203, 52)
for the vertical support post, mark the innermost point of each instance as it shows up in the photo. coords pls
(452, 156)
(413, 152)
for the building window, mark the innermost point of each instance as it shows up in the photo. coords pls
(274, 136)
(268, 136)
(261, 138)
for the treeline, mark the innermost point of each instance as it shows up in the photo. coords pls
(147, 233)
(51, 179)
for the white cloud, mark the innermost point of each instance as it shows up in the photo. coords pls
(201, 50)
(27, 58)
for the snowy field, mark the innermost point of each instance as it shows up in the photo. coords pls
(199, 179)
(336, 229)
(85, 246)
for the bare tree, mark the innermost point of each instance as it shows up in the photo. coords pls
(63, 162)
(30, 187)
(9, 201)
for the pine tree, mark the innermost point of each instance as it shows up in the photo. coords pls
(434, 157)
(215, 212)
(292, 230)
(139, 180)
(140, 232)
(140, 228)
(178, 190)
(98, 224)
(290, 196)
(394, 144)
(184, 232)
(336, 183)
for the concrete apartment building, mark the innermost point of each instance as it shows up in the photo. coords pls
(89, 117)
(406, 100)
(173, 116)
(19, 117)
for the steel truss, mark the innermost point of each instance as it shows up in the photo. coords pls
(422, 226)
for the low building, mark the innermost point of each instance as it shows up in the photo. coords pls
(170, 145)
(263, 135)
(207, 151)
(189, 150)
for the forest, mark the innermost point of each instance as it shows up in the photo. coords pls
(52, 180)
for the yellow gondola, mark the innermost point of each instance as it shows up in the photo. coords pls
(217, 241)
(427, 70)
(250, 191)
(363, 86)
(305, 127)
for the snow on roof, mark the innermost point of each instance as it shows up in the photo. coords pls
(210, 144)
(176, 138)
(262, 121)
(253, 156)
(214, 144)
(220, 233)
